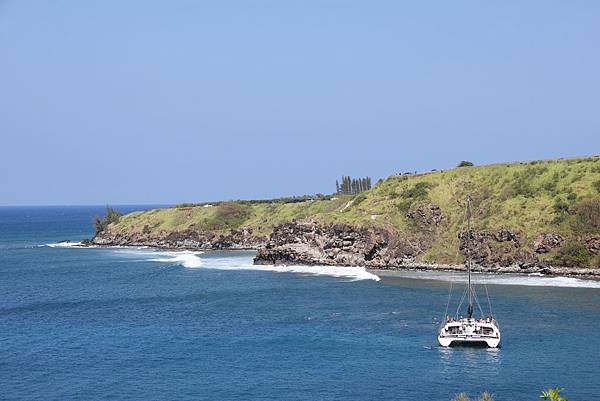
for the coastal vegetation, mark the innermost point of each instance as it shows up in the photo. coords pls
(111, 216)
(485, 396)
(465, 163)
(351, 185)
(550, 208)
(551, 394)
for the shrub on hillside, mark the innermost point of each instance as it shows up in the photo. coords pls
(418, 191)
(551, 184)
(561, 211)
(507, 192)
(596, 186)
(524, 182)
(358, 199)
(231, 214)
(572, 254)
(465, 163)
(404, 206)
(111, 216)
(587, 215)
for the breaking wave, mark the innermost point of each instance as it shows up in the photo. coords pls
(501, 279)
(184, 258)
(238, 263)
(64, 244)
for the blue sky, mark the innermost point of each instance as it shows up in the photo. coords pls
(162, 102)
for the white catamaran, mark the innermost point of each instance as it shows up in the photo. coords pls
(468, 330)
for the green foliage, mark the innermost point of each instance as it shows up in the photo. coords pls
(587, 216)
(250, 202)
(596, 185)
(404, 206)
(523, 181)
(111, 216)
(231, 215)
(418, 191)
(573, 254)
(358, 199)
(486, 396)
(553, 394)
(561, 211)
(507, 192)
(551, 184)
(350, 186)
(465, 163)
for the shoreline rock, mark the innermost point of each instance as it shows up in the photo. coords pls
(242, 238)
(312, 243)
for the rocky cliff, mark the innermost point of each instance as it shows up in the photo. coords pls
(189, 239)
(310, 243)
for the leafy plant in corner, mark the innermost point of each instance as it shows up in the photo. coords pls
(553, 394)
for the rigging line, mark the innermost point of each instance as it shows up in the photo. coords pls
(488, 297)
(461, 301)
(452, 272)
(477, 301)
(485, 283)
(448, 303)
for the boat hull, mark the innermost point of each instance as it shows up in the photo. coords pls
(474, 341)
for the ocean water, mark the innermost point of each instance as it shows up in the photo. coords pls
(138, 324)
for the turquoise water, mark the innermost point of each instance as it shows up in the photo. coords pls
(145, 325)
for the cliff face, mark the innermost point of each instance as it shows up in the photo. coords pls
(187, 239)
(310, 243)
(337, 244)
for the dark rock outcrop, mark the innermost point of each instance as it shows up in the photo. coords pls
(426, 214)
(337, 244)
(546, 242)
(495, 248)
(312, 243)
(592, 243)
(242, 238)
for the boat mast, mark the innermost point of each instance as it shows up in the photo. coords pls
(469, 290)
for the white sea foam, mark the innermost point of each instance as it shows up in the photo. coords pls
(236, 262)
(184, 258)
(191, 259)
(501, 279)
(65, 244)
(537, 281)
(351, 272)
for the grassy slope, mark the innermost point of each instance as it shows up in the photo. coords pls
(520, 196)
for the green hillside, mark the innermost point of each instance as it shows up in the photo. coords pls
(553, 196)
